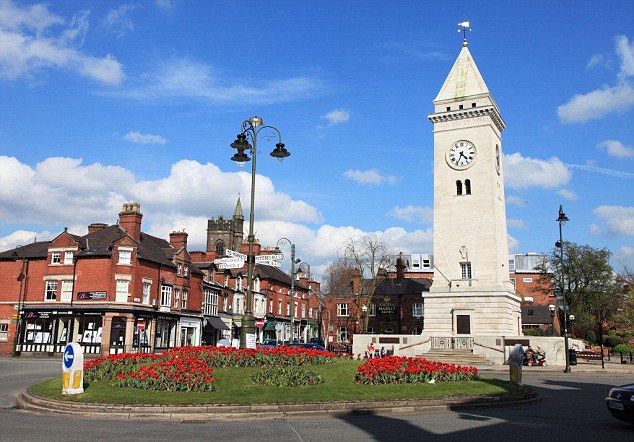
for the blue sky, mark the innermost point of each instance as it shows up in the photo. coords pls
(103, 103)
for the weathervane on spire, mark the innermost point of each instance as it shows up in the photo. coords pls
(464, 27)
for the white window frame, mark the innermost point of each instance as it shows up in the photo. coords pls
(238, 304)
(417, 310)
(166, 295)
(125, 257)
(185, 298)
(66, 293)
(211, 302)
(122, 290)
(373, 309)
(465, 270)
(68, 257)
(527, 279)
(50, 290)
(56, 258)
(147, 288)
(4, 331)
(279, 307)
(342, 309)
(185, 270)
(342, 334)
(177, 296)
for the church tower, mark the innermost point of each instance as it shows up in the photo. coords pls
(471, 293)
(225, 234)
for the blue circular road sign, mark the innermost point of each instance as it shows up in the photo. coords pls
(69, 356)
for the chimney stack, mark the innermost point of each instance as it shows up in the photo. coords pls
(401, 265)
(95, 227)
(178, 240)
(130, 220)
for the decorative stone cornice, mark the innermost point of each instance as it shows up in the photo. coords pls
(490, 111)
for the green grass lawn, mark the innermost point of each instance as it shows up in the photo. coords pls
(234, 386)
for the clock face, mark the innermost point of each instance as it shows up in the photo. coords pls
(461, 154)
(497, 159)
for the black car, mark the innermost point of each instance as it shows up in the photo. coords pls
(620, 402)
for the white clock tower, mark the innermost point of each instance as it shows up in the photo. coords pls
(471, 294)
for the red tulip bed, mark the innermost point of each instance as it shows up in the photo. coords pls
(403, 370)
(191, 368)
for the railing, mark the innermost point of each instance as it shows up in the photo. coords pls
(450, 343)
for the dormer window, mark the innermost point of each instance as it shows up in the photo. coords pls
(125, 257)
(68, 258)
(185, 270)
(179, 269)
(56, 258)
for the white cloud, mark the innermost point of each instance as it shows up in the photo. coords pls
(26, 47)
(619, 220)
(514, 244)
(182, 78)
(167, 5)
(568, 194)
(139, 138)
(598, 103)
(595, 60)
(118, 20)
(369, 177)
(625, 257)
(413, 214)
(521, 172)
(516, 223)
(515, 200)
(617, 149)
(336, 116)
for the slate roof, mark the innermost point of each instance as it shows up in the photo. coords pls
(100, 244)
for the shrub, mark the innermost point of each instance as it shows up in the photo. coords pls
(591, 337)
(287, 376)
(612, 340)
(534, 332)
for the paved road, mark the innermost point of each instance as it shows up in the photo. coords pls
(572, 409)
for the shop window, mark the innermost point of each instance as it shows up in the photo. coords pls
(165, 334)
(89, 331)
(4, 331)
(39, 331)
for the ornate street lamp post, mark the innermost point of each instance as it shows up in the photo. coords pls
(250, 131)
(562, 219)
(21, 277)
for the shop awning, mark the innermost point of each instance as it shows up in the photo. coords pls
(270, 325)
(216, 323)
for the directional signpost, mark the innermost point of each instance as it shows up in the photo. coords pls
(269, 260)
(235, 260)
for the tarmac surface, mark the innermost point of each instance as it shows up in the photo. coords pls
(29, 401)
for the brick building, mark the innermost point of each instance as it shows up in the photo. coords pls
(398, 307)
(118, 289)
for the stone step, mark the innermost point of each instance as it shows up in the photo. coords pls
(458, 357)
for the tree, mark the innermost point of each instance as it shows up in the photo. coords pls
(624, 317)
(586, 276)
(370, 258)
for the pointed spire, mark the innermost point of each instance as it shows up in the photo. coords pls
(237, 213)
(464, 79)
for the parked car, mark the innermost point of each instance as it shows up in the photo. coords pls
(270, 343)
(307, 345)
(620, 402)
(317, 341)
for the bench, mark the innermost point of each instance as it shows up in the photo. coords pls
(589, 355)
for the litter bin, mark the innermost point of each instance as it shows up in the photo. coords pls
(572, 356)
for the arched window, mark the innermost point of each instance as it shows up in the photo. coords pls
(458, 187)
(220, 247)
(467, 186)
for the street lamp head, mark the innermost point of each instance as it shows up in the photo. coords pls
(364, 309)
(280, 152)
(562, 216)
(240, 157)
(552, 308)
(255, 121)
(241, 143)
(571, 318)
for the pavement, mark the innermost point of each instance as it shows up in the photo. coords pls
(31, 402)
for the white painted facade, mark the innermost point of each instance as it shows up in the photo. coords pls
(472, 294)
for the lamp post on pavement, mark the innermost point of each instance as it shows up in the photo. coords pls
(293, 273)
(364, 314)
(21, 277)
(562, 219)
(250, 131)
